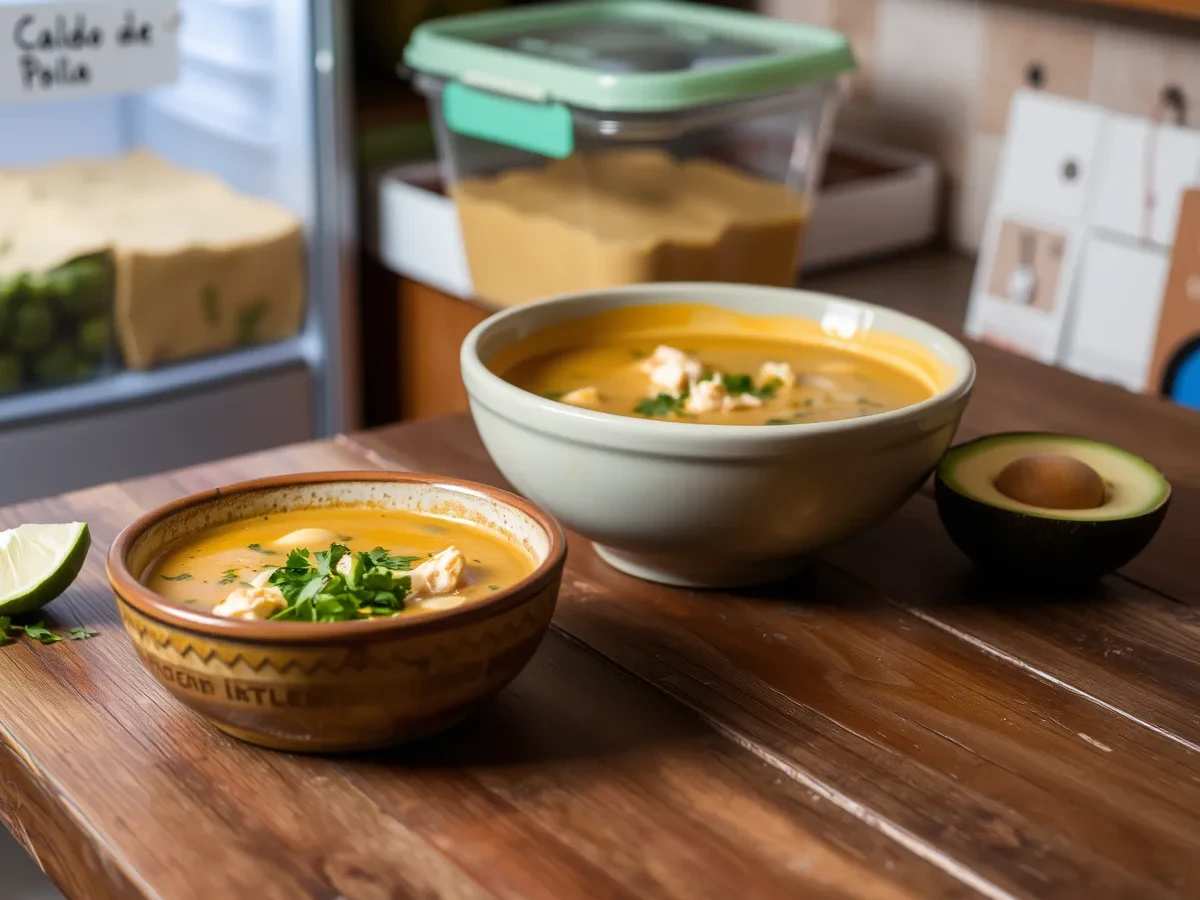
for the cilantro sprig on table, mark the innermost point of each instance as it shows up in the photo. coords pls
(38, 631)
(316, 591)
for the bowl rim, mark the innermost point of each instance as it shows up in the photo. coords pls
(688, 438)
(131, 591)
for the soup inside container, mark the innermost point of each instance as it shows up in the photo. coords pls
(595, 144)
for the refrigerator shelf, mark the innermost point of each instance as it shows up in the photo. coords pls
(123, 388)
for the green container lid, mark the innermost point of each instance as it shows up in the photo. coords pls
(634, 56)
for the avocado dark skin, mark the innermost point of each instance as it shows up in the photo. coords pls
(1015, 546)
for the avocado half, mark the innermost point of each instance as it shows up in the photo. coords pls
(1012, 538)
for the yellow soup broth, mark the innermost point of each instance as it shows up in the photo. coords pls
(201, 571)
(600, 368)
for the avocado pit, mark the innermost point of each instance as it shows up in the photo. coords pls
(1052, 481)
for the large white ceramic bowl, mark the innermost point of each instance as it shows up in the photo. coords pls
(711, 505)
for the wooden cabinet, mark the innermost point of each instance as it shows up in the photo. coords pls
(1189, 9)
(431, 328)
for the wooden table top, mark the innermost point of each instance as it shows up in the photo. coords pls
(886, 726)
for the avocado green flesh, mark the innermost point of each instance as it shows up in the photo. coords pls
(1135, 488)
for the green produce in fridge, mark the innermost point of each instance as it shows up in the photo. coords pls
(83, 287)
(38, 286)
(58, 364)
(10, 291)
(10, 373)
(94, 337)
(33, 325)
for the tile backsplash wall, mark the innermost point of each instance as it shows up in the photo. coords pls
(936, 75)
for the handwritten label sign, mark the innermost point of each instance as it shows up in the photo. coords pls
(52, 51)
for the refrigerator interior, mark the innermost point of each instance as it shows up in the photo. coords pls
(258, 104)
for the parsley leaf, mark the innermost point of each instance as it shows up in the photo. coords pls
(778, 422)
(379, 557)
(662, 405)
(182, 576)
(39, 632)
(767, 391)
(230, 576)
(81, 633)
(259, 548)
(318, 590)
(744, 384)
(738, 384)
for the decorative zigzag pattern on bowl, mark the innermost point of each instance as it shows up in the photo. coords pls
(422, 653)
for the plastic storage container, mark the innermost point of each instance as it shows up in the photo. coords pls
(621, 141)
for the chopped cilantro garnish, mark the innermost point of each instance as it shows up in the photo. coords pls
(778, 422)
(380, 557)
(744, 384)
(639, 354)
(738, 384)
(316, 590)
(553, 395)
(182, 576)
(493, 587)
(767, 391)
(662, 405)
(39, 632)
(259, 548)
(230, 576)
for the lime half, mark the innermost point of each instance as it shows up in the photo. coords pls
(39, 562)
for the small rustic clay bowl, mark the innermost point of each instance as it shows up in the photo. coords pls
(341, 686)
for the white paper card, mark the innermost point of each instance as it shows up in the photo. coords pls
(51, 51)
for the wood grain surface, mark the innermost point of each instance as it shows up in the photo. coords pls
(580, 780)
(886, 725)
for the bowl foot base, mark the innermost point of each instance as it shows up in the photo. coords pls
(690, 572)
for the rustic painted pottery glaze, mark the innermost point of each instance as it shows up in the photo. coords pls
(340, 686)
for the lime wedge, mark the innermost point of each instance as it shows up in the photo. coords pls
(39, 562)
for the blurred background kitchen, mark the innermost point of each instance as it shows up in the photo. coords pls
(232, 230)
(289, 145)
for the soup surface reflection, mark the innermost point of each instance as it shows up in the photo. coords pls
(204, 570)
